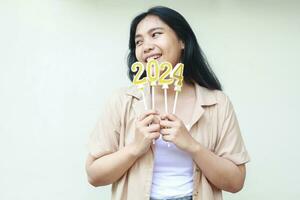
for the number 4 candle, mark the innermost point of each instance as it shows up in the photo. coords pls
(177, 75)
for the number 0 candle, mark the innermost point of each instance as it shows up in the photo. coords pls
(153, 75)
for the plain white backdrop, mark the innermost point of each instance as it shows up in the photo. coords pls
(61, 59)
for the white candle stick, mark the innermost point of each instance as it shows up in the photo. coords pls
(140, 82)
(153, 103)
(153, 97)
(175, 103)
(165, 87)
(165, 81)
(166, 99)
(144, 100)
(177, 75)
(152, 75)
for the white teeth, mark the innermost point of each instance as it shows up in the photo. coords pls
(152, 57)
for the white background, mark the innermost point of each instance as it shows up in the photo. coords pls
(60, 59)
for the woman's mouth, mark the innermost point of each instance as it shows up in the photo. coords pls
(153, 57)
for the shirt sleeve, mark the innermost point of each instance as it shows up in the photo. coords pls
(104, 139)
(230, 144)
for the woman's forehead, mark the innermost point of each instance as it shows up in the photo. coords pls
(149, 23)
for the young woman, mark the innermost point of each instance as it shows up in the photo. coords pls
(198, 152)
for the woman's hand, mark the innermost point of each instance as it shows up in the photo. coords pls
(147, 129)
(173, 130)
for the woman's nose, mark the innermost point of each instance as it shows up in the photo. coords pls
(148, 46)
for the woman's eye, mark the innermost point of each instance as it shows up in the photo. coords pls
(138, 42)
(155, 34)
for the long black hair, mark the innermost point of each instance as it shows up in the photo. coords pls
(196, 67)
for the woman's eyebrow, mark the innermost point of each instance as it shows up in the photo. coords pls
(149, 31)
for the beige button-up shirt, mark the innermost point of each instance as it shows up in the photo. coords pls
(214, 125)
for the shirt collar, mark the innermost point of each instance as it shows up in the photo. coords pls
(204, 96)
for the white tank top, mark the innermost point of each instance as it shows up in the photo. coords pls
(172, 172)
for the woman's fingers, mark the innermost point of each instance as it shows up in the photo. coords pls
(147, 113)
(153, 128)
(149, 120)
(154, 135)
(166, 131)
(170, 117)
(156, 119)
(166, 123)
(168, 138)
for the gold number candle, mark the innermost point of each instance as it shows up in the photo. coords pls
(139, 67)
(177, 75)
(163, 80)
(140, 83)
(152, 72)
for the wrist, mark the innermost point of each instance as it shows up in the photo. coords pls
(195, 149)
(133, 150)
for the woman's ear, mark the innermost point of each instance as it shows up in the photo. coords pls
(182, 45)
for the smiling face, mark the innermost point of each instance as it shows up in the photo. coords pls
(156, 40)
